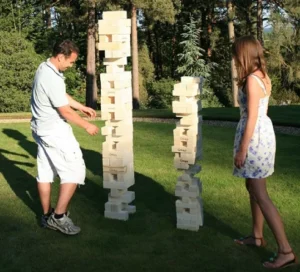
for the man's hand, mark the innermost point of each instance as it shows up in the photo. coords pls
(239, 159)
(88, 111)
(91, 129)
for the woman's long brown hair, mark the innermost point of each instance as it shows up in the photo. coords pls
(249, 57)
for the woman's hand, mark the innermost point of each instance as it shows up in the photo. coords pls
(239, 159)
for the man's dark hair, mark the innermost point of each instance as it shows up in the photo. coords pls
(65, 47)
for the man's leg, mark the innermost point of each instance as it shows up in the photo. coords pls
(60, 220)
(46, 174)
(69, 164)
(44, 189)
(66, 192)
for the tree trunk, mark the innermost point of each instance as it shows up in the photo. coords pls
(249, 19)
(91, 80)
(135, 60)
(48, 20)
(230, 15)
(209, 30)
(173, 63)
(260, 22)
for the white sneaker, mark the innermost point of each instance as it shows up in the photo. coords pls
(64, 224)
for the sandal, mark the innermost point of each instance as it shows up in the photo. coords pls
(286, 264)
(240, 241)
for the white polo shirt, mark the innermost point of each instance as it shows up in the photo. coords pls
(48, 93)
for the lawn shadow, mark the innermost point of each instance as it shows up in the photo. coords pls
(150, 195)
(29, 146)
(21, 183)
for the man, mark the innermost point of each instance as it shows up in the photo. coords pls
(58, 150)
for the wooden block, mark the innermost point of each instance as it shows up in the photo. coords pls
(112, 69)
(113, 207)
(117, 159)
(187, 190)
(119, 110)
(188, 219)
(126, 197)
(115, 85)
(122, 84)
(121, 53)
(188, 227)
(116, 130)
(181, 165)
(118, 116)
(114, 23)
(105, 38)
(188, 99)
(115, 61)
(120, 38)
(112, 46)
(184, 107)
(115, 169)
(183, 157)
(113, 77)
(189, 120)
(189, 90)
(183, 146)
(195, 185)
(117, 184)
(117, 193)
(114, 30)
(193, 203)
(116, 96)
(131, 209)
(111, 15)
(123, 215)
(116, 92)
(189, 142)
(187, 79)
(118, 177)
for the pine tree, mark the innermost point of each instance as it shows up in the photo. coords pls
(191, 61)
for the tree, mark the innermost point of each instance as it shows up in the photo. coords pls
(191, 59)
(230, 16)
(18, 63)
(91, 80)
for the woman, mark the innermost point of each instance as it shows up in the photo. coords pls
(255, 146)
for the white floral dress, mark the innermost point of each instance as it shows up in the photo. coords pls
(260, 157)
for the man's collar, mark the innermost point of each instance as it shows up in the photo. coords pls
(52, 66)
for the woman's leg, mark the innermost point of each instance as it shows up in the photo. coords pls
(257, 221)
(257, 215)
(258, 190)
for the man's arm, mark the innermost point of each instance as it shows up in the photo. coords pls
(70, 115)
(78, 106)
(73, 103)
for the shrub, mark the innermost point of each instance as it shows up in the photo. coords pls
(209, 99)
(160, 93)
(18, 63)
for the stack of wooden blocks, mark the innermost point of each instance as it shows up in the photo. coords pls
(116, 110)
(188, 150)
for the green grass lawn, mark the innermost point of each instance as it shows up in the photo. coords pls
(280, 115)
(149, 241)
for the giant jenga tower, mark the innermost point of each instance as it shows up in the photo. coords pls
(188, 149)
(116, 110)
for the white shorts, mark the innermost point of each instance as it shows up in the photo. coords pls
(60, 154)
